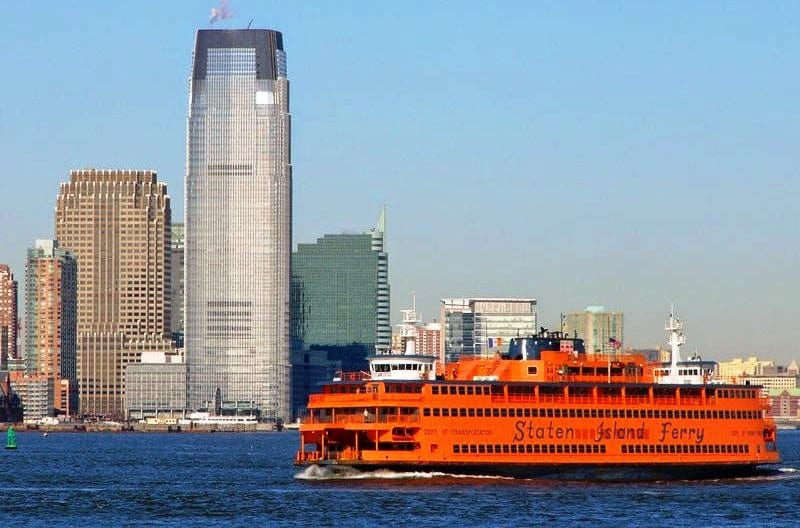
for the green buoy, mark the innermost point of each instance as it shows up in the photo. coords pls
(11, 439)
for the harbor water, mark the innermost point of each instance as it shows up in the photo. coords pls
(248, 479)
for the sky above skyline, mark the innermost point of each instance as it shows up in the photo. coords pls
(629, 154)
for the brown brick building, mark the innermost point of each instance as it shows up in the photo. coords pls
(8, 316)
(117, 224)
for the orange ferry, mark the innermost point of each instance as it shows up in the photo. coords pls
(545, 409)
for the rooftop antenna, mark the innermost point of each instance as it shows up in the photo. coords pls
(250, 23)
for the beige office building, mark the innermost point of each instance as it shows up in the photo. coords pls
(117, 224)
(596, 326)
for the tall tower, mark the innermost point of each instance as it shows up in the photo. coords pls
(383, 329)
(238, 224)
(117, 224)
(51, 283)
(8, 316)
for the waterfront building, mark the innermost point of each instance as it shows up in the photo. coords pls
(340, 297)
(784, 405)
(597, 327)
(238, 223)
(156, 386)
(176, 283)
(771, 381)
(731, 371)
(117, 225)
(51, 283)
(10, 403)
(483, 326)
(8, 316)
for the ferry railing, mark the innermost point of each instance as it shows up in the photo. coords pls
(361, 419)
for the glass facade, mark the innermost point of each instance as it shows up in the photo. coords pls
(238, 223)
(484, 326)
(340, 294)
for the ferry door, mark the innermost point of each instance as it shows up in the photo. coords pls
(374, 392)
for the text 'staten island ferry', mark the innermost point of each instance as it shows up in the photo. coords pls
(546, 409)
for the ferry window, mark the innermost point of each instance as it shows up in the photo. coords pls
(593, 413)
(471, 412)
(436, 412)
(434, 390)
(559, 448)
(532, 370)
(527, 413)
(490, 448)
(473, 448)
(519, 413)
(479, 412)
(445, 412)
(557, 413)
(496, 413)
(505, 448)
(486, 391)
(581, 448)
(481, 448)
(658, 448)
(503, 413)
(426, 412)
(652, 448)
(497, 448)
(595, 448)
(487, 413)
(528, 449)
(513, 448)
(607, 413)
(462, 412)
(469, 391)
(534, 413)
(536, 448)
(461, 390)
(456, 448)
(452, 389)
(453, 412)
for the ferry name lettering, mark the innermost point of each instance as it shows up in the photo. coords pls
(527, 429)
(681, 433)
(618, 433)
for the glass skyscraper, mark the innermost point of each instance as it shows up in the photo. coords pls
(340, 295)
(238, 224)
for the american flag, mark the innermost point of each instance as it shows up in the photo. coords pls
(613, 343)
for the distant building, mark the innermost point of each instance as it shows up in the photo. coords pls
(8, 316)
(156, 386)
(771, 382)
(340, 296)
(429, 339)
(51, 324)
(731, 371)
(784, 404)
(36, 393)
(117, 225)
(483, 326)
(10, 403)
(597, 327)
(177, 257)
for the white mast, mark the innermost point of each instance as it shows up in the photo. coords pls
(676, 338)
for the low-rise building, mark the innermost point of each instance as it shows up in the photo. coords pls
(784, 404)
(156, 386)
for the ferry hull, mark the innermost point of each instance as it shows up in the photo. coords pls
(572, 472)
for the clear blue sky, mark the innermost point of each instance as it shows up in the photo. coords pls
(629, 154)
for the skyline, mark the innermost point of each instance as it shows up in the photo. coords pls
(456, 120)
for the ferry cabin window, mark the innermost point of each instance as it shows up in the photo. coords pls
(434, 390)
(532, 370)
(436, 412)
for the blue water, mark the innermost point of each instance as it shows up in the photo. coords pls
(248, 479)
